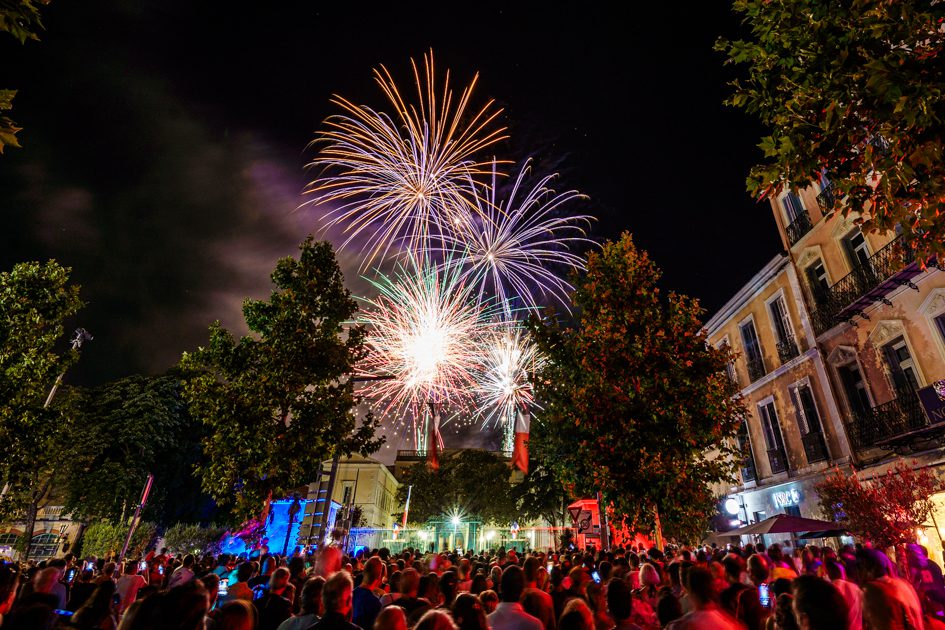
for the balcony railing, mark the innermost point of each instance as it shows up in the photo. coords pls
(787, 349)
(814, 447)
(827, 199)
(896, 417)
(778, 460)
(797, 228)
(756, 369)
(887, 269)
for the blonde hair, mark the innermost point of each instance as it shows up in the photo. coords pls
(435, 620)
(649, 576)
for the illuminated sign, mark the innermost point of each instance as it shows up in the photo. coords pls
(786, 498)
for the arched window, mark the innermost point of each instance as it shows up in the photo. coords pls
(8, 540)
(44, 546)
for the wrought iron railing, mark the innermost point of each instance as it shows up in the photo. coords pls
(778, 460)
(756, 369)
(827, 199)
(896, 417)
(787, 349)
(797, 228)
(865, 277)
(814, 447)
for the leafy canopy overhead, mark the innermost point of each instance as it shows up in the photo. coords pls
(854, 89)
(635, 403)
(279, 401)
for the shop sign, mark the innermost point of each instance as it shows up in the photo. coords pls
(786, 498)
(933, 401)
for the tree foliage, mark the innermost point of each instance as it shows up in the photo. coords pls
(21, 19)
(885, 510)
(279, 401)
(122, 431)
(471, 482)
(104, 538)
(856, 89)
(36, 299)
(636, 404)
(193, 538)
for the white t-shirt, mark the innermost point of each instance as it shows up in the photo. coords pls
(127, 588)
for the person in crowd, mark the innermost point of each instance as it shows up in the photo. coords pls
(576, 616)
(391, 618)
(541, 605)
(235, 615)
(738, 599)
(926, 578)
(366, 603)
(620, 604)
(336, 597)
(267, 566)
(597, 601)
(241, 589)
(311, 606)
(101, 611)
(183, 574)
(780, 567)
(468, 613)
(478, 584)
(783, 617)
(436, 619)
(509, 614)
(668, 608)
(887, 599)
(649, 584)
(211, 582)
(9, 585)
(328, 562)
(758, 571)
(851, 593)
(128, 585)
(107, 574)
(489, 600)
(273, 607)
(81, 590)
(818, 605)
(449, 585)
(413, 605)
(706, 613)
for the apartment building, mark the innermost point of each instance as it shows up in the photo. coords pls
(793, 431)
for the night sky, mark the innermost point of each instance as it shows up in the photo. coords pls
(164, 143)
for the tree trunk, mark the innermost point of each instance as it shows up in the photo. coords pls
(29, 527)
(658, 527)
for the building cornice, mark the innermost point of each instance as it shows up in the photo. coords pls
(746, 293)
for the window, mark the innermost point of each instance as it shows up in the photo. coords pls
(8, 540)
(854, 387)
(857, 250)
(730, 366)
(817, 279)
(808, 422)
(901, 365)
(348, 492)
(940, 324)
(756, 366)
(770, 426)
(44, 546)
(760, 516)
(793, 207)
(787, 347)
(792, 510)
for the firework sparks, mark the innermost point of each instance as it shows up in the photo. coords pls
(516, 248)
(398, 179)
(503, 385)
(424, 328)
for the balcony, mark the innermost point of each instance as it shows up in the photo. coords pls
(827, 199)
(885, 271)
(798, 228)
(878, 426)
(778, 460)
(756, 369)
(787, 349)
(814, 447)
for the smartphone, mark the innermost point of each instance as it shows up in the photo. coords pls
(596, 576)
(161, 569)
(550, 566)
(88, 566)
(63, 613)
(143, 565)
(763, 596)
(224, 586)
(259, 592)
(70, 575)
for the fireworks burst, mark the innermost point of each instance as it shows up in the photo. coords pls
(399, 179)
(424, 328)
(515, 249)
(504, 387)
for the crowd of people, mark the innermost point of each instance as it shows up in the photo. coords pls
(752, 587)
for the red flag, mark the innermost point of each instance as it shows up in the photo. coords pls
(520, 451)
(433, 456)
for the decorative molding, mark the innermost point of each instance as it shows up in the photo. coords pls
(808, 256)
(844, 224)
(886, 330)
(842, 355)
(934, 303)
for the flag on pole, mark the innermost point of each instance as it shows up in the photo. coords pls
(433, 440)
(520, 450)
